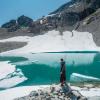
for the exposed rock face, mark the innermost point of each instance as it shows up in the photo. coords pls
(11, 26)
(78, 6)
(81, 15)
(72, 13)
(6, 46)
(24, 21)
(21, 22)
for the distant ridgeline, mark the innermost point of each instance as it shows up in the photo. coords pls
(74, 15)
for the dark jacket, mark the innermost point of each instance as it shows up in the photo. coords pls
(63, 68)
(62, 72)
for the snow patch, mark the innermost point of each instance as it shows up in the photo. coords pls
(54, 42)
(17, 39)
(13, 93)
(88, 92)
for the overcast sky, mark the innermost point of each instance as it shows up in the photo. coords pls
(11, 9)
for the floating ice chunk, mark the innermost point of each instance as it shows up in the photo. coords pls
(11, 82)
(6, 68)
(12, 79)
(75, 77)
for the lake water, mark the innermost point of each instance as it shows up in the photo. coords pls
(44, 68)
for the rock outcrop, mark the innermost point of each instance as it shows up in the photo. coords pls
(24, 21)
(54, 93)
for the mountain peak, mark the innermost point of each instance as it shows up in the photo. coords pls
(70, 16)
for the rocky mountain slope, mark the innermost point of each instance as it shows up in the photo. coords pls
(80, 15)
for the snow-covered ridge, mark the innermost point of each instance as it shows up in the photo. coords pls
(54, 42)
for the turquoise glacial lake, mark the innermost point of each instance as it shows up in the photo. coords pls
(44, 68)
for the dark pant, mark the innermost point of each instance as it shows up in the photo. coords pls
(62, 77)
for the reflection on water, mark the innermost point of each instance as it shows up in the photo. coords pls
(44, 68)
